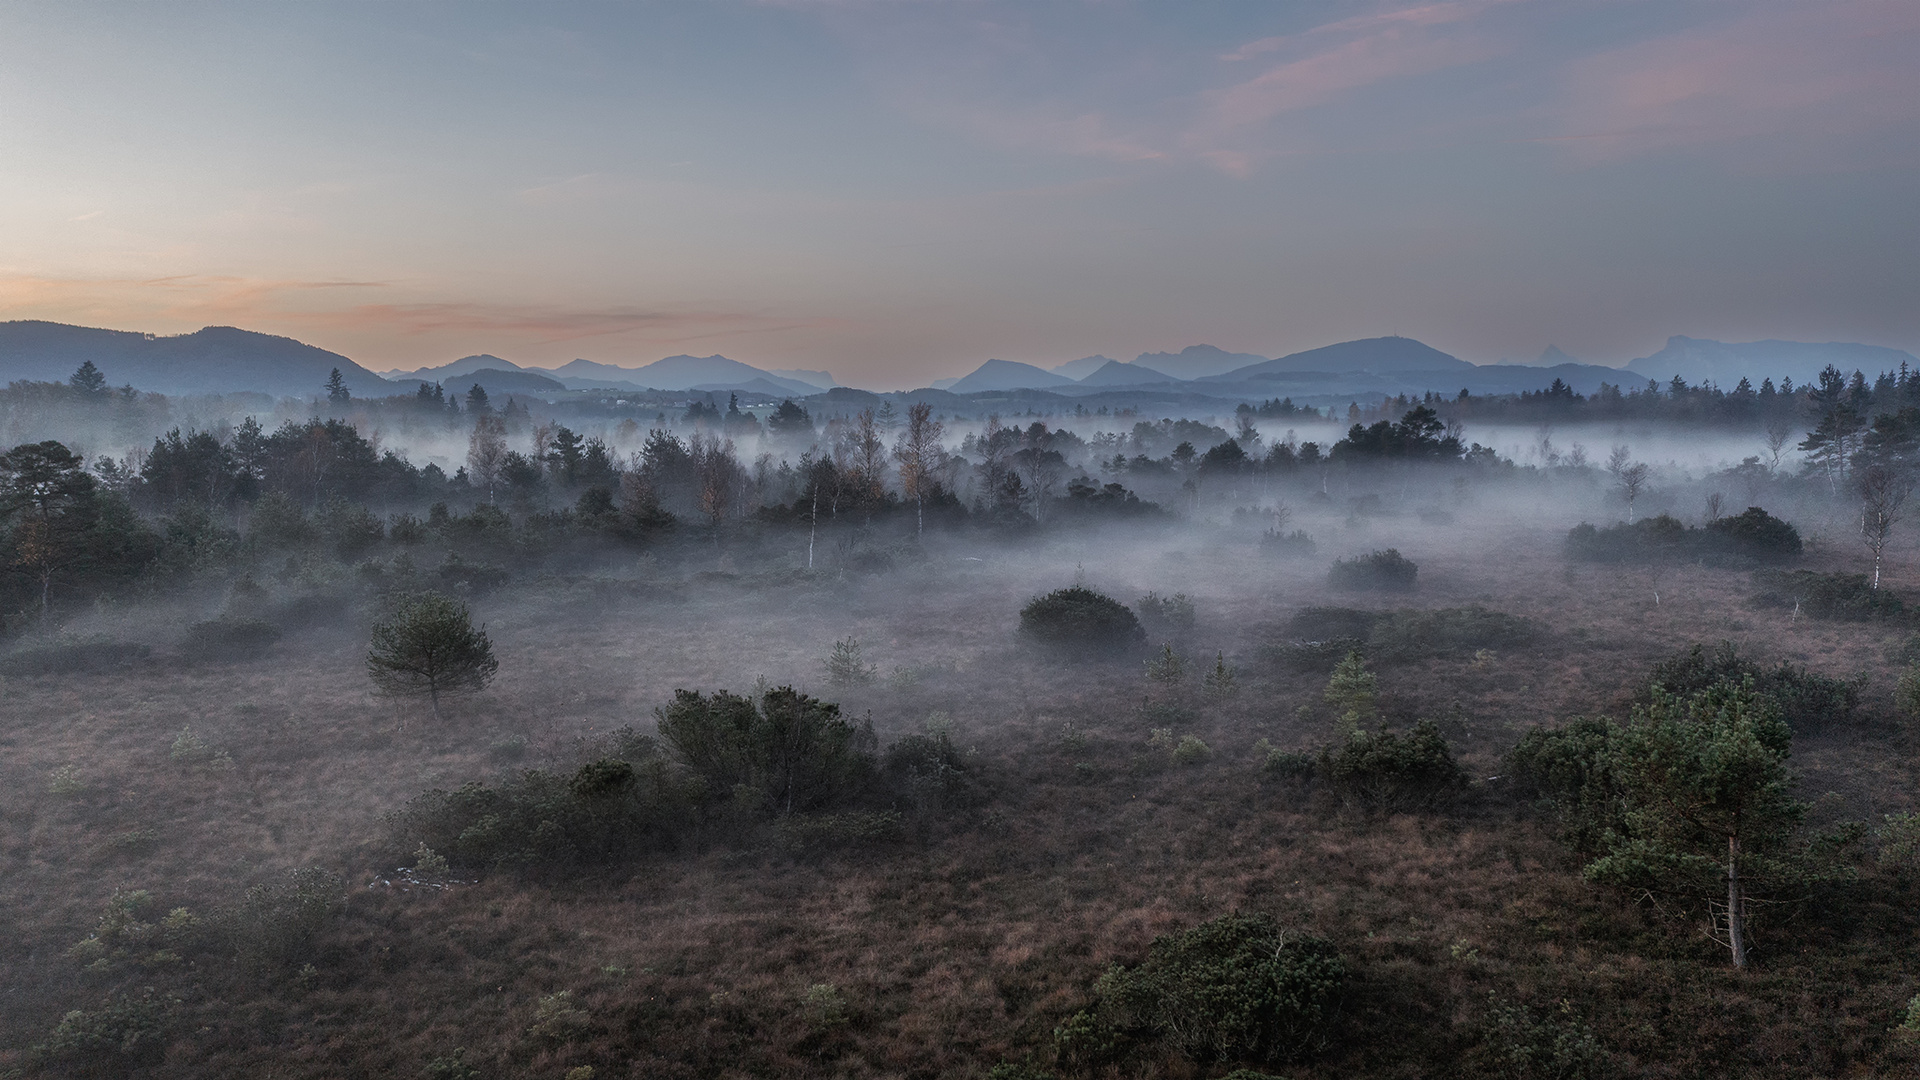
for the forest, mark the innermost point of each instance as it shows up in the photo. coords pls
(451, 737)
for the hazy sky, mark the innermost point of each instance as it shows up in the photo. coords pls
(898, 191)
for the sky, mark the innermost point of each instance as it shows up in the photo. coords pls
(895, 192)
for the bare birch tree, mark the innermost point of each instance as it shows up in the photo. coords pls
(1883, 492)
(919, 453)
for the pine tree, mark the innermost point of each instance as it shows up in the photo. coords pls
(430, 648)
(337, 388)
(1353, 692)
(89, 381)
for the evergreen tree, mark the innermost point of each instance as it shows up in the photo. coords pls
(337, 388)
(1707, 801)
(430, 648)
(89, 381)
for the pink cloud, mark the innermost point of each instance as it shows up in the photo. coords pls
(1822, 70)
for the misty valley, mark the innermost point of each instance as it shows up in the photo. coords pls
(468, 732)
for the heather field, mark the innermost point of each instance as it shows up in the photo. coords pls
(1095, 809)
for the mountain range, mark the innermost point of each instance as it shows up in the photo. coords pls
(224, 359)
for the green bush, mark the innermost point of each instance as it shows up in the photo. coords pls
(1392, 773)
(1841, 597)
(1806, 701)
(1757, 535)
(1651, 539)
(928, 771)
(1415, 635)
(1753, 536)
(1525, 1044)
(1376, 571)
(124, 1031)
(1568, 770)
(1296, 544)
(1079, 620)
(1239, 988)
(276, 924)
(784, 752)
(608, 808)
(1166, 616)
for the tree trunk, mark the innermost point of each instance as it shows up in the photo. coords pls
(1736, 905)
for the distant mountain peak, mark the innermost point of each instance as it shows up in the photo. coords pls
(1007, 375)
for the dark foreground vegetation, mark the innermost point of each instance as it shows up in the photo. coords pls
(950, 758)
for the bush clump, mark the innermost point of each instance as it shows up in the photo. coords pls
(1376, 571)
(1757, 535)
(1841, 597)
(608, 808)
(1389, 773)
(1322, 636)
(1748, 538)
(1805, 700)
(1079, 620)
(230, 639)
(782, 753)
(1414, 635)
(1238, 988)
(72, 658)
(1166, 616)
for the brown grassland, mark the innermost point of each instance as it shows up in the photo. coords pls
(964, 946)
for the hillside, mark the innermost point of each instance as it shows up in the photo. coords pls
(213, 360)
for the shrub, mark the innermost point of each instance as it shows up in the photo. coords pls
(929, 770)
(785, 752)
(473, 579)
(65, 781)
(1296, 544)
(1756, 535)
(73, 658)
(1568, 769)
(1899, 842)
(1842, 597)
(128, 1030)
(276, 924)
(609, 808)
(1390, 773)
(1166, 616)
(557, 1020)
(1191, 751)
(1523, 1044)
(1805, 700)
(824, 1008)
(230, 639)
(1380, 571)
(1079, 620)
(1906, 691)
(190, 749)
(1651, 539)
(1414, 635)
(1238, 988)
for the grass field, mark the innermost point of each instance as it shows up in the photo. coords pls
(962, 945)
